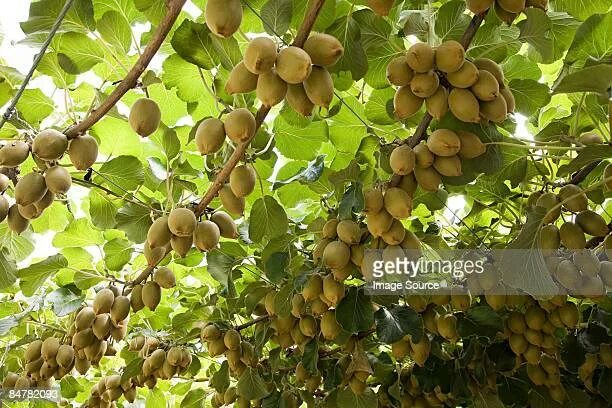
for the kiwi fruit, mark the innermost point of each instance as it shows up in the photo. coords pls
(406, 103)
(447, 326)
(395, 235)
(30, 188)
(572, 236)
(49, 144)
(509, 98)
(271, 89)
(103, 301)
(5, 182)
(437, 104)
(465, 77)
(159, 233)
(242, 180)
(486, 88)
(16, 222)
(492, 67)
(590, 138)
(330, 229)
(45, 202)
(568, 275)
(380, 7)
(136, 298)
(13, 154)
(4, 207)
(471, 145)
(450, 56)
(479, 6)
(83, 152)
(330, 329)
(324, 49)
(293, 65)
(240, 125)
(58, 180)
(423, 156)
(420, 57)
(444, 142)
(240, 80)
(372, 201)
(336, 255)
(151, 295)
(425, 84)
(402, 160)
(592, 223)
(33, 351)
(408, 183)
(379, 223)
(29, 212)
(398, 72)
(512, 6)
(607, 177)
(495, 110)
(573, 198)
(449, 166)
(319, 87)
(120, 309)
(260, 55)
(181, 245)
(206, 235)
(297, 98)
(349, 232)
(308, 326)
(84, 318)
(49, 347)
(549, 237)
(464, 105)
(587, 261)
(398, 203)
(145, 117)
(605, 272)
(505, 16)
(209, 136)
(428, 178)
(227, 227)
(223, 18)
(231, 339)
(549, 201)
(234, 205)
(182, 222)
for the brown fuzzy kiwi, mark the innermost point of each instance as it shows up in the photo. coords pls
(5, 182)
(319, 87)
(349, 232)
(58, 180)
(425, 84)
(572, 236)
(30, 188)
(15, 221)
(159, 233)
(164, 277)
(444, 142)
(103, 301)
(182, 222)
(271, 89)
(471, 145)
(437, 104)
(509, 98)
(464, 105)
(324, 49)
(136, 298)
(495, 110)
(398, 203)
(512, 6)
(231, 339)
(379, 223)
(428, 178)
(101, 326)
(396, 234)
(33, 351)
(420, 57)
(592, 223)
(234, 205)
(373, 201)
(181, 245)
(240, 125)
(465, 77)
(479, 6)
(145, 117)
(206, 235)
(240, 80)
(505, 16)
(83, 152)
(492, 67)
(226, 224)
(120, 309)
(13, 154)
(330, 329)
(222, 17)
(408, 183)
(487, 87)
(151, 295)
(260, 55)
(590, 138)
(49, 348)
(210, 136)
(424, 157)
(293, 65)
(242, 180)
(402, 160)
(45, 202)
(336, 255)
(4, 208)
(29, 212)
(84, 318)
(49, 144)
(406, 103)
(398, 72)
(573, 198)
(448, 166)
(450, 56)
(381, 7)
(549, 201)
(298, 99)
(332, 289)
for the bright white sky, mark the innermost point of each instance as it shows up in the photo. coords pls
(13, 54)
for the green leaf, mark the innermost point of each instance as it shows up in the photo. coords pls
(155, 398)
(305, 175)
(530, 95)
(355, 312)
(85, 279)
(310, 356)
(34, 106)
(480, 321)
(117, 253)
(102, 210)
(590, 79)
(77, 53)
(346, 398)
(267, 219)
(32, 277)
(352, 202)
(70, 387)
(251, 386)
(64, 301)
(521, 67)
(132, 369)
(586, 156)
(393, 323)
(276, 266)
(220, 265)
(495, 42)
(347, 31)
(194, 399)
(276, 16)
(8, 270)
(379, 107)
(591, 41)
(43, 14)
(135, 220)
(227, 50)
(583, 9)
(282, 300)
(121, 173)
(114, 28)
(451, 21)
(193, 43)
(79, 233)
(299, 143)
(220, 380)
(180, 74)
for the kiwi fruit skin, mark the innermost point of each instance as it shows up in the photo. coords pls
(592, 223)
(120, 309)
(495, 110)
(437, 104)
(512, 6)
(58, 180)
(145, 117)
(271, 89)
(234, 205)
(30, 188)
(159, 233)
(260, 55)
(29, 212)
(5, 182)
(549, 201)
(449, 166)
(373, 201)
(590, 138)
(151, 295)
(450, 56)
(492, 67)
(13, 154)
(398, 203)
(298, 100)
(379, 223)
(336, 255)
(182, 222)
(4, 207)
(573, 198)
(49, 144)
(509, 98)
(505, 16)
(464, 77)
(206, 235)
(471, 145)
(319, 87)
(15, 221)
(164, 277)
(425, 84)
(444, 142)
(209, 136)
(240, 80)
(486, 88)
(242, 180)
(181, 245)
(240, 125)
(428, 178)
(227, 227)
(420, 57)
(223, 17)
(83, 152)
(293, 65)
(572, 236)
(399, 72)
(324, 49)
(402, 160)
(406, 103)
(479, 6)
(103, 301)
(464, 105)
(45, 202)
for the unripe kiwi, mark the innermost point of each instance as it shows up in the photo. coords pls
(516, 323)
(151, 295)
(448, 166)
(223, 18)
(298, 99)
(398, 72)
(319, 87)
(81, 365)
(420, 57)
(424, 158)
(379, 223)
(58, 180)
(323, 49)
(29, 212)
(492, 67)
(136, 298)
(231, 339)
(293, 65)
(15, 221)
(402, 160)
(549, 201)
(10, 380)
(425, 84)
(242, 180)
(13, 154)
(181, 245)
(450, 56)
(240, 80)
(159, 234)
(227, 227)
(398, 203)
(592, 223)
(85, 318)
(590, 138)
(30, 188)
(210, 136)
(471, 145)
(308, 326)
(336, 255)
(437, 104)
(182, 222)
(145, 117)
(573, 198)
(406, 103)
(447, 326)
(428, 178)
(206, 235)
(464, 105)
(49, 348)
(509, 98)
(211, 332)
(349, 232)
(4, 208)
(234, 205)
(101, 326)
(549, 238)
(240, 125)
(271, 89)
(372, 201)
(260, 55)
(49, 144)
(33, 351)
(313, 287)
(103, 301)
(65, 355)
(512, 6)
(495, 110)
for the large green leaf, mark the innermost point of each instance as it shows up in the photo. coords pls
(32, 277)
(267, 219)
(251, 386)
(43, 14)
(123, 173)
(276, 16)
(355, 312)
(8, 270)
(193, 43)
(591, 41)
(117, 253)
(393, 323)
(596, 78)
(79, 233)
(135, 220)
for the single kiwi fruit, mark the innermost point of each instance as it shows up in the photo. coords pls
(492, 67)
(49, 348)
(471, 145)
(398, 203)
(372, 201)
(260, 55)
(437, 104)
(159, 233)
(136, 298)
(226, 224)
(505, 16)
(145, 117)
(428, 178)
(206, 235)
(449, 166)
(380, 7)
(120, 309)
(181, 245)
(298, 99)
(58, 180)
(408, 183)
(572, 236)
(151, 295)
(209, 136)
(83, 152)
(182, 222)
(486, 88)
(402, 160)
(240, 80)
(84, 318)
(379, 223)
(13, 154)
(242, 180)
(495, 110)
(103, 301)
(406, 103)
(45, 202)
(573, 198)
(512, 6)
(293, 65)
(164, 277)
(349, 232)
(549, 201)
(464, 105)
(336, 255)
(425, 84)
(5, 182)
(465, 77)
(420, 57)
(319, 87)
(30, 188)
(4, 207)
(450, 56)
(29, 211)
(50, 144)
(324, 49)
(509, 98)
(399, 72)
(444, 142)
(479, 6)
(396, 234)
(590, 138)
(271, 89)
(592, 223)
(222, 17)
(240, 125)
(234, 205)
(424, 157)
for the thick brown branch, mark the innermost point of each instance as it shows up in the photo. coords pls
(584, 172)
(173, 9)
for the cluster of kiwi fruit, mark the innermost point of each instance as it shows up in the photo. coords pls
(580, 273)
(506, 10)
(109, 389)
(418, 351)
(297, 75)
(149, 293)
(445, 80)
(239, 353)
(36, 191)
(413, 395)
(227, 397)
